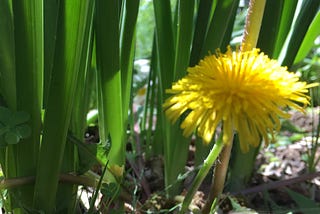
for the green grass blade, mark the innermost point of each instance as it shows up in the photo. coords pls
(84, 89)
(201, 26)
(51, 11)
(222, 20)
(28, 25)
(150, 107)
(7, 58)
(67, 194)
(7, 67)
(130, 14)
(288, 11)
(270, 26)
(165, 67)
(305, 205)
(109, 78)
(308, 11)
(28, 39)
(308, 41)
(178, 144)
(73, 17)
(184, 37)
(165, 42)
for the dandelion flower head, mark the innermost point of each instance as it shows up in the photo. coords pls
(245, 91)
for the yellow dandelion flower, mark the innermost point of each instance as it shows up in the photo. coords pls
(245, 91)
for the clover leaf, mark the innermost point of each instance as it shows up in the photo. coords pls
(13, 126)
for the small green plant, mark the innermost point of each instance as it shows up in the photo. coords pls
(13, 126)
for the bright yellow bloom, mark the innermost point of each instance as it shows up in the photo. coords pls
(245, 91)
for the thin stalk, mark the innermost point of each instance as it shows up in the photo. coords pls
(219, 178)
(202, 174)
(253, 24)
(150, 105)
(95, 195)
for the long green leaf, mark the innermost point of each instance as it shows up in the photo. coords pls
(7, 58)
(308, 41)
(284, 25)
(109, 78)
(165, 67)
(28, 27)
(51, 12)
(127, 37)
(270, 26)
(165, 42)
(184, 37)
(204, 12)
(7, 66)
(308, 11)
(178, 144)
(73, 17)
(28, 38)
(305, 205)
(222, 20)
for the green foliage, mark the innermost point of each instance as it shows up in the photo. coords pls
(110, 190)
(305, 205)
(59, 59)
(13, 126)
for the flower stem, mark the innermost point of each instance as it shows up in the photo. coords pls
(253, 24)
(202, 174)
(220, 173)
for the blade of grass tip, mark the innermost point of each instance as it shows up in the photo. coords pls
(7, 68)
(204, 12)
(308, 41)
(28, 37)
(308, 11)
(288, 11)
(70, 35)
(222, 20)
(127, 38)
(109, 78)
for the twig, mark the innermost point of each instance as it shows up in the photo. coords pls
(277, 184)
